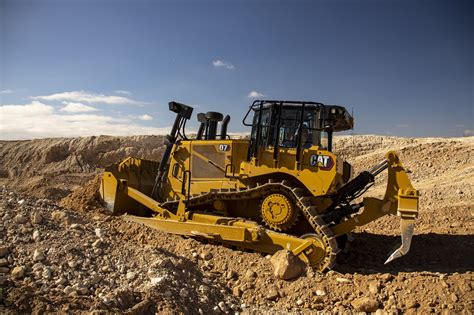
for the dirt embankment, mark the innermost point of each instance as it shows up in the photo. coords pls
(52, 168)
(61, 259)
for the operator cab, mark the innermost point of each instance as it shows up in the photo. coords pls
(297, 125)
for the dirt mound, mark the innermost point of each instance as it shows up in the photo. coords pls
(85, 198)
(96, 262)
(63, 260)
(52, 168)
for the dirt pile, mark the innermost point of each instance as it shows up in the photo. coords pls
(52, 168)
(85, 198)
(57, 259)
(96, 262)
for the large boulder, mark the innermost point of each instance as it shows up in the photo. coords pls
(286, 265)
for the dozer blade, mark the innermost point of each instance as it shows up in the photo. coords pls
(138, 173)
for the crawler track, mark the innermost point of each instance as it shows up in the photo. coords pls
(321, 229)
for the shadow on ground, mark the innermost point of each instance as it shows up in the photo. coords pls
(429, 252)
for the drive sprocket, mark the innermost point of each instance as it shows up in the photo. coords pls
(278, 212)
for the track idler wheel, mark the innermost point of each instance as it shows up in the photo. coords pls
(278, 212)
(320, 257)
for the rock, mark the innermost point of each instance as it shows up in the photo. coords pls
(61, 281)
(46, 273)
(69, 290)
(184, 292)
(82, 290)
(454, 297)
(380, 312)
(38, 255)
(230, 274)
(143, 307)
(36, 235)
(374, 287)
(75, 226)
(250, 274)
(286, 265)
(299, 302)
(98, 233)
(38, 266)
(155, 280)
(131, 275)
(411, 302)
(365, 304)
(4, 270)
(4, 250)
(37, 218)
(206, 256)
(320, 292)
(3, 262)
(385, 277)
(272, 294)
(60, 216)
(96, 244)
(72, 264)
(343, 280)
(18, 272)
(222, 306)
(20, 219)
(20, 202)
(237, 291)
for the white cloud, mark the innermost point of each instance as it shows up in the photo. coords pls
(255, 94)
(468, 133)
(123, 92)
(145, 117)
(77, 108)
(7, 91)
(39, 120)
(220, 63)
(87, 97)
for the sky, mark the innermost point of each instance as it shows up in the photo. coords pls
(79, 68)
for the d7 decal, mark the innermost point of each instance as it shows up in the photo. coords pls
(224, 147)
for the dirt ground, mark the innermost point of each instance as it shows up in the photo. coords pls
(60, 251)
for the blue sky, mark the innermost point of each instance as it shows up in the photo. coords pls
(70, 68)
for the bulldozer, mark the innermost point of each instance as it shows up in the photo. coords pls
(281, 187)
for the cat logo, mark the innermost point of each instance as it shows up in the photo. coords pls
(324, 162)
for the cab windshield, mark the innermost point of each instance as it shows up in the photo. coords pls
(311, 134)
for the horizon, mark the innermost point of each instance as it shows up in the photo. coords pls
(83, 68)
(241, 135)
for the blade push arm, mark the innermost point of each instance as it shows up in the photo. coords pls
(400, 198)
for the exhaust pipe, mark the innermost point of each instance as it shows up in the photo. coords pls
(224, 124)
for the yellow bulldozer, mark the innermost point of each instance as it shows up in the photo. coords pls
(280, 188)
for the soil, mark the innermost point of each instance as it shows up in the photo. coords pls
(61, 251)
